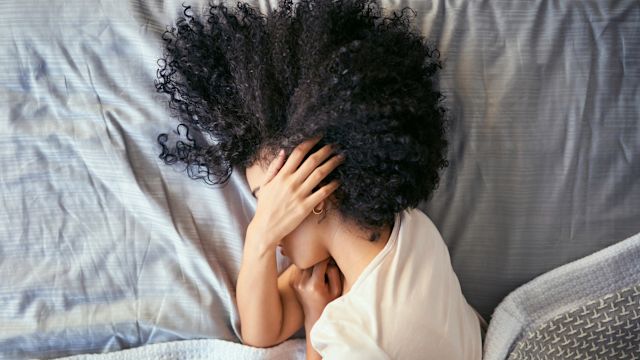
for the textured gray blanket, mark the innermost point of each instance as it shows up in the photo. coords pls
(587, 309)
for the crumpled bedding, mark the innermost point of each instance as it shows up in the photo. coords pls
(103, 247)
(589, 308)
(203, 349)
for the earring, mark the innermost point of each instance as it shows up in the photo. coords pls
(318, 213)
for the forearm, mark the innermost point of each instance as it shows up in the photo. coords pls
(312, 354)
(257, 295)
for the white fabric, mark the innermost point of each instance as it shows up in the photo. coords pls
(203, 349)
(406, 304)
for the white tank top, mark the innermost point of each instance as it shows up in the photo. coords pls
(406, 304)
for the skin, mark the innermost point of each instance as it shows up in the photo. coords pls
(284, 218)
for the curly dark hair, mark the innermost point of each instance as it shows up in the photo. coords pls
(256, 84)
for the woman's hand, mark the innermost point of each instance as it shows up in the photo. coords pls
(285, 198)
(313, 292)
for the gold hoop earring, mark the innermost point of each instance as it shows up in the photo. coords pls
(318, 213)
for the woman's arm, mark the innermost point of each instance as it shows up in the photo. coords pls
(269, 310)
(284, 201)
(312, 354)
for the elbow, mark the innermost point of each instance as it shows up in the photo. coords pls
(257, 344)
(258, 341)
(259, 335)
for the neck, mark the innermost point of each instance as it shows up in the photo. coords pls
(353, 251)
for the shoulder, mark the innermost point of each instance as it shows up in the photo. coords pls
(419, 236)
(415, 219)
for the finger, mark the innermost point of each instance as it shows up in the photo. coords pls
(312, 163)
(335, 285)
(296, 156)
(314, 199)
(305, 275)
(294, 280)
(320, 173)
(274, 166)
(319, 270)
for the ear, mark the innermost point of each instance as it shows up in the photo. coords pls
(321, 206)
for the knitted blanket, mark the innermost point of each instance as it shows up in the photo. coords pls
(210, 349)
(586, 309)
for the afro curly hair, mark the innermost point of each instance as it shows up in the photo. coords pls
(257, 84)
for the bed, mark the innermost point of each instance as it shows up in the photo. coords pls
(104, 248)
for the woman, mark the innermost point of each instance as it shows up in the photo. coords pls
(332, 112)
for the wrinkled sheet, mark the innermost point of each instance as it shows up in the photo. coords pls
(103, 247)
